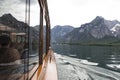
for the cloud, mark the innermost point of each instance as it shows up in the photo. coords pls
(77, 12)
(31, 1)
(17, 9)
(14, 7)
(65, 12)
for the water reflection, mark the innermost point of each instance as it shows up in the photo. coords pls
(101, 54)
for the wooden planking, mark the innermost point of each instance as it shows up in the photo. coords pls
(51, 70)
(48, 70)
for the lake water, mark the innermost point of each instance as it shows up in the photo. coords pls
(101, 54)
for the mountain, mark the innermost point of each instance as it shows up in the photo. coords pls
(9, 20)
(98, 29)
(58, 32)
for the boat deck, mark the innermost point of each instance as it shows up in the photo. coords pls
(51, 71)
(48, 70)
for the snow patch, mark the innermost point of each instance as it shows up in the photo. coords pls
(115, 28)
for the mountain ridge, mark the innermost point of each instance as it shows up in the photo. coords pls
(96, 30)
(99, 29)
(9, 20)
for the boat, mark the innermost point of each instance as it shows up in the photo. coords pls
(45, 67)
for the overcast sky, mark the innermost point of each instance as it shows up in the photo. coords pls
(65, 12)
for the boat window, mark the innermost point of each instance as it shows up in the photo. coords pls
(22, 27)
